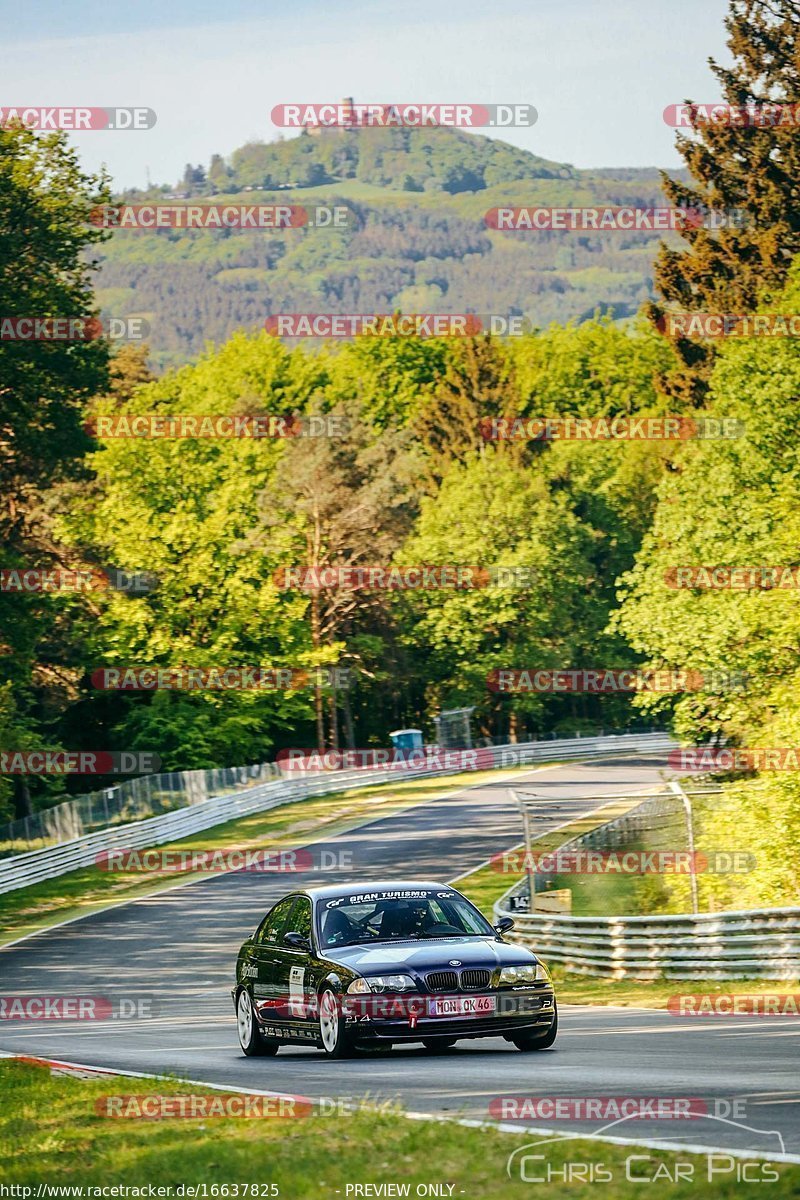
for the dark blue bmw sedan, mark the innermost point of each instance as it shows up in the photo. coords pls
(382, 962)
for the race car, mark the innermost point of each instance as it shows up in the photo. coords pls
(354, 964)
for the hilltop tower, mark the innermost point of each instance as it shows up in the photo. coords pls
(314, 129)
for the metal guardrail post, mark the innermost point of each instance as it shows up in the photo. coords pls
(529, 864)
(687, 808)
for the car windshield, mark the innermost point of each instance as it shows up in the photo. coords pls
(393, 916)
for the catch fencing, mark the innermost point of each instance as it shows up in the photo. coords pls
(743, 944)
(149, 796)
(22, 870)
(131, 800)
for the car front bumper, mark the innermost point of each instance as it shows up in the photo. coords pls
(514, 1012)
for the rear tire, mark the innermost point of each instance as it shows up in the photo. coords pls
(250, 1039)
(538, 1041)
(336, 1042)
(437, 1045)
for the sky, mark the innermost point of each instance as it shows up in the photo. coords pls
(599, 73)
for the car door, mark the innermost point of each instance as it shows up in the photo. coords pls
(292, 972)
(268, 995)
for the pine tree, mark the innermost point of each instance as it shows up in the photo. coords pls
(752, 169)
(478, 382)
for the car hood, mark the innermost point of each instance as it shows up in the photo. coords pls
(426, 956)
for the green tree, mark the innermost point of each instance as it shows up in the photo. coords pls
(46, 266)
(728, 502)
(193, 179)
(339, 502)
(45, 207)
(184, 509)
(595, 368)
(390, 377)
(492, 512)
(477, 382)
(751, 170)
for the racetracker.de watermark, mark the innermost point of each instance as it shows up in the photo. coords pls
(220, 679)
(78, 762)
(613, 218)
(223, 861)
(427, 758)
(624, 862)
(167, 426)
(729, 325)
(403, 115)
(79, 120)
(605, 680)
(221, 216)
(73, 329)
(155, 1106)
(738, 116)
(610, 428)
(432, 325)
(135, 1007)
(729, 1004)
(739, 758)
(613, 1108)
(427, 577)
(58, 579)
(734, 578)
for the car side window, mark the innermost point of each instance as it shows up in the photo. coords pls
(300, 920)
(276, 921)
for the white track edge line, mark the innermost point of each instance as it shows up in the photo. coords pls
(410, 1115)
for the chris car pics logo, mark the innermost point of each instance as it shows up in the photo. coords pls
(549, 1160)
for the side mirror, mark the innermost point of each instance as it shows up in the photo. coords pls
(504, 924)
(297, 940)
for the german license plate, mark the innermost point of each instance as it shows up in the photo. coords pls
(461, 1006)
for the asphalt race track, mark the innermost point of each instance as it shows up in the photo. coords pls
(180, 947)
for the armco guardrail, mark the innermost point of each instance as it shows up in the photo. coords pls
(130, 800)
(727, 945)
(21, 870)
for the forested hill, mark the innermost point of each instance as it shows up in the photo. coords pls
(419, 241)
(411, 160)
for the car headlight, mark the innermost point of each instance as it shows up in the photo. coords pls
(358, 987)
(524, 973)
(390, 983)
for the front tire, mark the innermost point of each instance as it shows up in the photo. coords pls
(335, 1040)
(538, 1041)
(250, 1039)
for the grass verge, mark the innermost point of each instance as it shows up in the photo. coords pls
(51, 1134)
(630, 993)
